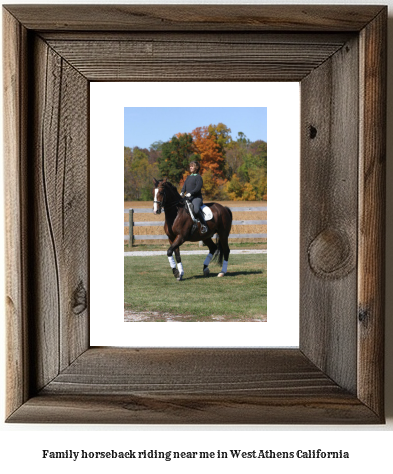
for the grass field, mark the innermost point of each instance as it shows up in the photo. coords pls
(241, 295)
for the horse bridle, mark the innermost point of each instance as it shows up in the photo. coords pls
(161, 203)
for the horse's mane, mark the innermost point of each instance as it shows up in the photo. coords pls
(172, 186)
(173, 189)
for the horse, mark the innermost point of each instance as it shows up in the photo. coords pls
(180, 228)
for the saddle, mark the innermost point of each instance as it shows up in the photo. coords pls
(207, 214)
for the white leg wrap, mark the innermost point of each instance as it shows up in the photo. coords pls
(172, 262)
(207, 259)
(224, 266)
(180, 268)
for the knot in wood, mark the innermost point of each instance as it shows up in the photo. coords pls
(364, 316)
(330, 254)
(80, 299)
(313, 132)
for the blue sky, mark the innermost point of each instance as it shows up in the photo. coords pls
(146, 125)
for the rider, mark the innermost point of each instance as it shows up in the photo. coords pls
(192, 189)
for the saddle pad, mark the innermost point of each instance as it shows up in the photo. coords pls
(207, 212)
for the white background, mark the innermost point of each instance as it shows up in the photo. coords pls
(107, 258)
(369, 446)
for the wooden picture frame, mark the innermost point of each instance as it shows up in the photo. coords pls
(338, 54)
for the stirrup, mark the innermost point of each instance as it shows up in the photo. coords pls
(203, 229)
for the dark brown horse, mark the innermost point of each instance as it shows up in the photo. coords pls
(179, 227)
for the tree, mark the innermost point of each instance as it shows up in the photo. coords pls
(258, 180)
(248, 193)
(241, 138)
(127, 174)
(211, 190)
(156, 146)
(234, 159)
(209, 146)
(138, 175)
(231, 169)
(234, 189)
(221, 134)
(176, 155)
(155, 151)
(235, 155)
(259, 148)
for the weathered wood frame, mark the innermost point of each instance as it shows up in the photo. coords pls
(338, 54)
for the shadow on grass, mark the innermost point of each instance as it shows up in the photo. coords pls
(227, 275)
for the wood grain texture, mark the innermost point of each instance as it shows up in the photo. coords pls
(59, 110)
(14, 74)
(372, 189)
(200, 18)
(193, 386)
(335, 376)
(193, 409)
(201, 37)
(329, 173)
(216, 60)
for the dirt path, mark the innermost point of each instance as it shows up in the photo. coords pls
(156, 317)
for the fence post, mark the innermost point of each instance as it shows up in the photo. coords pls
(131, 227)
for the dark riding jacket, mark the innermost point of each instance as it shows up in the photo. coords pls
(193, 185)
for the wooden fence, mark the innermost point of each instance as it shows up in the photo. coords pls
(131, 224)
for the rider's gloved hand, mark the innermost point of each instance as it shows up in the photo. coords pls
(181, 194)
(188, 195)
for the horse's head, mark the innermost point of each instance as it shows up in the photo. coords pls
(159, 195)
(165, 194)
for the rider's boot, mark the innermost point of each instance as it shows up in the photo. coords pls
(201, 218)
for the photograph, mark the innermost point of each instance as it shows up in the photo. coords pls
(195, 194)
(152, 138)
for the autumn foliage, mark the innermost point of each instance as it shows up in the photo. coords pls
(231, 169)
(211, 154)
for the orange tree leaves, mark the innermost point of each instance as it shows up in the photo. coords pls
(209, 147)
(231, 169)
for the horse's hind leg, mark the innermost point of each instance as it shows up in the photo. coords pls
(226, 251)
(212, 250)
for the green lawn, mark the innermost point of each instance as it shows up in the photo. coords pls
(149, 285)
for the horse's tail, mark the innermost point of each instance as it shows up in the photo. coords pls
(219, 255)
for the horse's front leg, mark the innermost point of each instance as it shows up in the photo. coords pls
(177, 272)
(180, 270)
